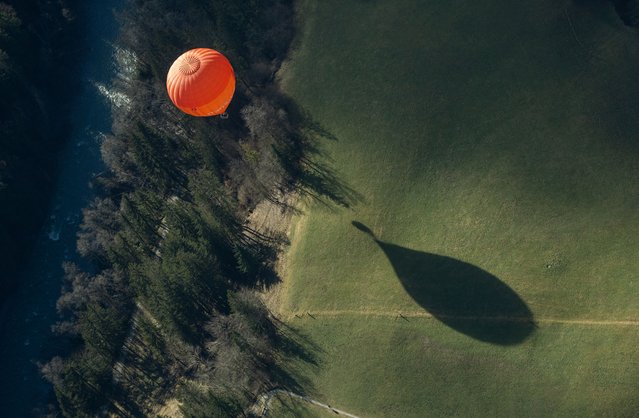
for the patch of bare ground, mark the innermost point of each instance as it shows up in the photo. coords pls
(272, 219)
(170, 409)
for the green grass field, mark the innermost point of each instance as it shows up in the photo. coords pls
(495, 146)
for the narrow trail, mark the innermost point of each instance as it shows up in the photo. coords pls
(404, 315)
(263, 403)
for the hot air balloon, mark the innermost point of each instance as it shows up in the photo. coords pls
(201, 82)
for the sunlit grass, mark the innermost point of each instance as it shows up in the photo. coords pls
(503, 135)
(391, 367)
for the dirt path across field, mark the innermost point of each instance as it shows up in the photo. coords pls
(405, 315)
(264, 402)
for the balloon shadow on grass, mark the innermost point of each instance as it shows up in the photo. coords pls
(462, 296)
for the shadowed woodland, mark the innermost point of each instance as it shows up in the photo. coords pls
(171, 310)
(464, 297)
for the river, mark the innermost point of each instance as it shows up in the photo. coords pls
(29, 313)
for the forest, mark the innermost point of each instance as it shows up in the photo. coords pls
(171, 311)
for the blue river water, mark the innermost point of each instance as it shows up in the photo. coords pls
(26, 319)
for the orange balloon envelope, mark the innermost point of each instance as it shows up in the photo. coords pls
(201, 82)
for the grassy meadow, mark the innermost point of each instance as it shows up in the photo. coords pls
(494, 149)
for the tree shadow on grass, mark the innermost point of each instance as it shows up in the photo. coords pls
(305, 160)
(462, 296)
(293, 345)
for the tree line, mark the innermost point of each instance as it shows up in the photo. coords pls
(172, 310)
